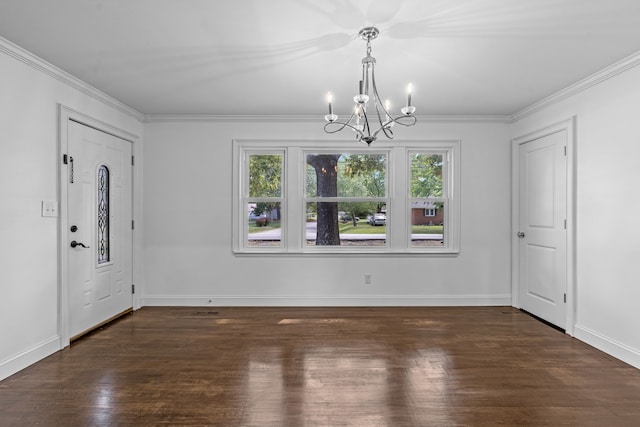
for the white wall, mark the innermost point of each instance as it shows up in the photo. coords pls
(187, 245)
(607, 160)
(29, 175)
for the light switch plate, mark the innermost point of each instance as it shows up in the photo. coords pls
(49, 208)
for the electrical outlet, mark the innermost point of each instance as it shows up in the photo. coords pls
(49, 208)
(367, 278)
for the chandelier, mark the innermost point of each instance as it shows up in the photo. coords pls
(369, 119)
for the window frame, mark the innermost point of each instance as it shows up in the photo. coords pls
(294, 197)
(344, 199)
(246, 198)
(450, 219)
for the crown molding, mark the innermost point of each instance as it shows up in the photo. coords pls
(313, 119)
(594, 79)
(221, 118)
(466, 118)
(62, 76)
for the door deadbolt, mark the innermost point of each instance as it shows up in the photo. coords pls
(74, 228)
(521, 234)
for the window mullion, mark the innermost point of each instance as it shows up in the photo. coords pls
(398, 219)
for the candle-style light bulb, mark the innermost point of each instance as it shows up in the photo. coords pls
(330, 117)
(409, 109)
(389, 121)
(358, 113)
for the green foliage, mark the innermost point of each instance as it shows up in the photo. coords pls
(369, 170)
(265, 207)
(426, 175)
(265, 175)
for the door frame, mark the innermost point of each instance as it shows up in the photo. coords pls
(569, 126)
(66, 114)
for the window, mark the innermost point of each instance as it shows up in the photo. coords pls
(427, 170)
(103, 215)
(430, 212)
(263, 199)
(343, 190)
(321, 197)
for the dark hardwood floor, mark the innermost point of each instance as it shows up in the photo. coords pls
(471, 366)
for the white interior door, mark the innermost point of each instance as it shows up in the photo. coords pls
(542, 227)
(99, 235)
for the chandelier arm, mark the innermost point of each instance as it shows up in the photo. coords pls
(384, 126)
(390, 119)
(366, 129)
(387, 132)
(343, 125)
(412, 120)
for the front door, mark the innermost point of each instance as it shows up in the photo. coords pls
(99, 235)
(542, 227)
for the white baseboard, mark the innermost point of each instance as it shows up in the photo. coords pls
(608, 345)
(323, 301)
(28, 357)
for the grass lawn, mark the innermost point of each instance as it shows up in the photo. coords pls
(362, 228)
(427, 229)
(271, 226)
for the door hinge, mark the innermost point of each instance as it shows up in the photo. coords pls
(565, 224)
(133, 288)
(133, 160)
(133, 224)
(65, 159)
(565, 298)
(565, 150)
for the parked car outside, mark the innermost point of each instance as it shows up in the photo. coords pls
(377, 219)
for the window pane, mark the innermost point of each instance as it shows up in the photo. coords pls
(263, 224)
(345, 224)
(103, 215)
(427, 230)
(346, 175)
(426, 175)
(265, 175)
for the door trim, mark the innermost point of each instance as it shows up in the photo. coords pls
(66, 114)
(568, 126)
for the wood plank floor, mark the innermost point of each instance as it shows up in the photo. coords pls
(471, 366)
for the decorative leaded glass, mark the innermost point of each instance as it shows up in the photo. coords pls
(103, 215)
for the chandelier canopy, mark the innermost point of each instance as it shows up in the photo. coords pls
(369, 119)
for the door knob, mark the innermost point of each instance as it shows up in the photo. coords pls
(521, 234)
(74, 244)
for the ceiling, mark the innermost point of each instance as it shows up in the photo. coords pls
(281, 57)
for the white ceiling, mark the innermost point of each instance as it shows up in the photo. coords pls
(280, 57)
